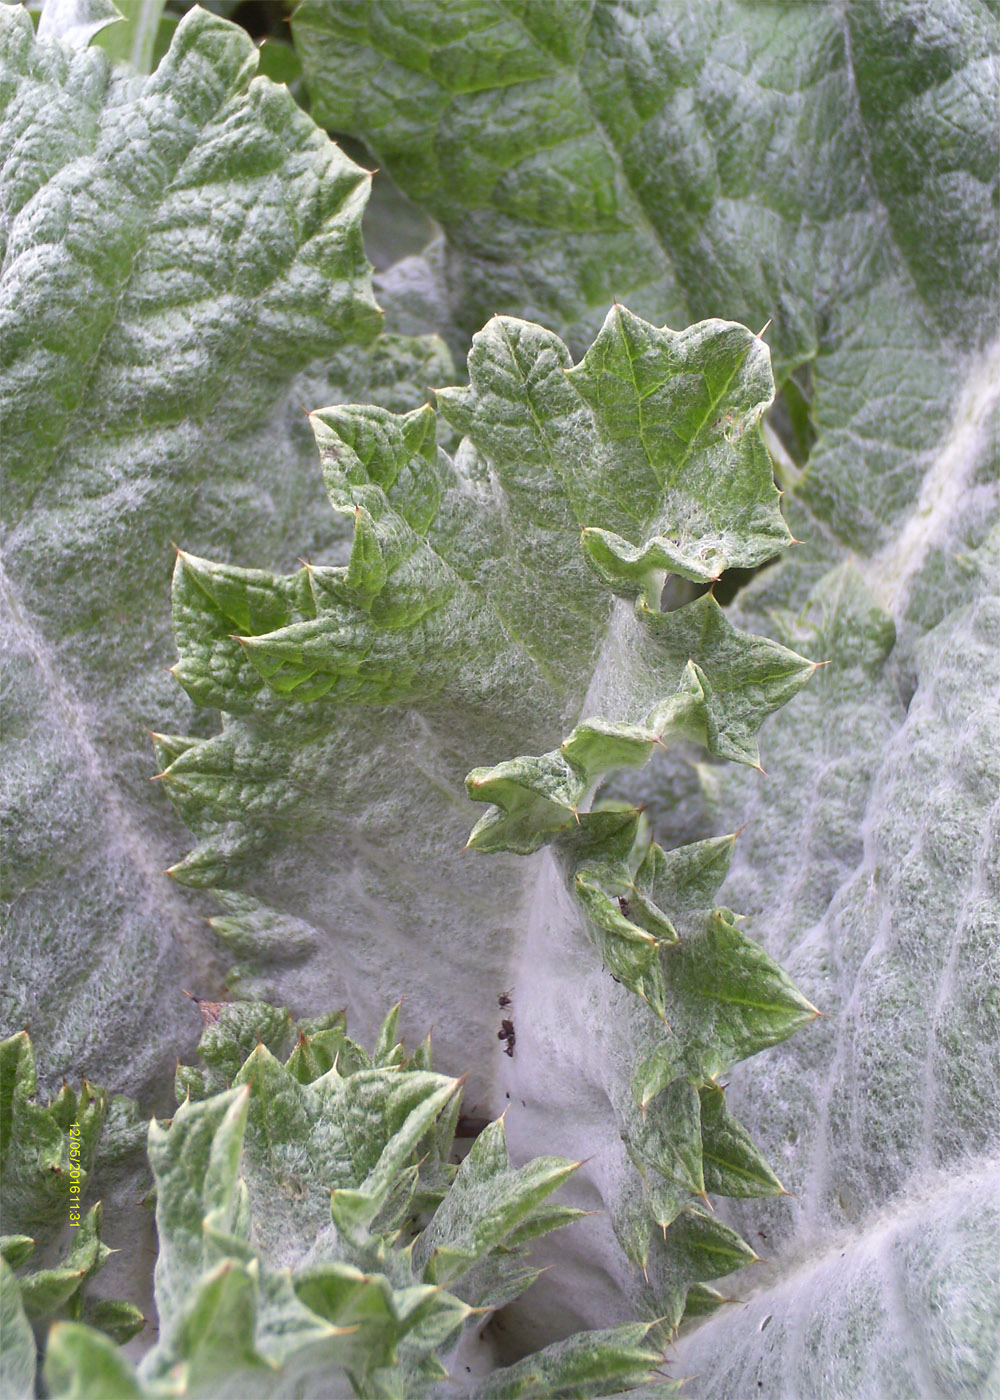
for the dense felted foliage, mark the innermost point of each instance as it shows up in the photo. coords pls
(643, 459)
(316, 1235)
(182, 268)
(835, 169)
(831, 168)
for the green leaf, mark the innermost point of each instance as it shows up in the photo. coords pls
(733, 1165)
(630, 928)
(388, 1052)
(17, 1355)
(132, 39)
(16, 1249)
(674, 413)
(235, 1031)
(118, 1320)
(726, 1000)
(215, 1332)
(665, 1142)
(49, 1153)
(47, 1157)
(46, 1290)
(316, 1054)
(195, 1162)
(414, 1320)
(692, 399)
(439, 603)
(81, 1364)
(701, 1300)
(488, 1201)
(693, 1248)
(34, 1149)
(687, 878)
(552, 1215)
(349, 1137)
(574, 157)
(588, 1364)
(182, 273)
(227, 1318)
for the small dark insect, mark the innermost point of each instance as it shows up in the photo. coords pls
(504, 999)
(506, 1032)
(624, 906)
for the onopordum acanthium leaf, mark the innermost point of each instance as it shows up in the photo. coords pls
(314, 1233)
(181, 268)
(47, 1155)
(486, 1203)
(500, 612)
(832, 166)
(619, 1356)
(719, 687)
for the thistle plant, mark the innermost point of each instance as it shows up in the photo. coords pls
(493, 750)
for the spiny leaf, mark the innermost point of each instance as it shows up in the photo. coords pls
(693, 400)
(17, 1355)
(49, 1153)
(213, 1336)
(213, 602)
(552, 1215)
(229, 1318)
(695, 1247)
(665, 1142)
(487, 1202)
(409, 1109)
(182, 272)
(46, 1290)
(195, 1163)
(726, 999)
(116, 1319)
(446, 617)
(687, 878)
(347, 1136)
(718, 686)
(703, 1299)
(16, 1249)
(82, 1364)
(589, 1364)
(733, 1163)
(35, 1162)
(422, 1317)
(228, 1040)
(388, 1052)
